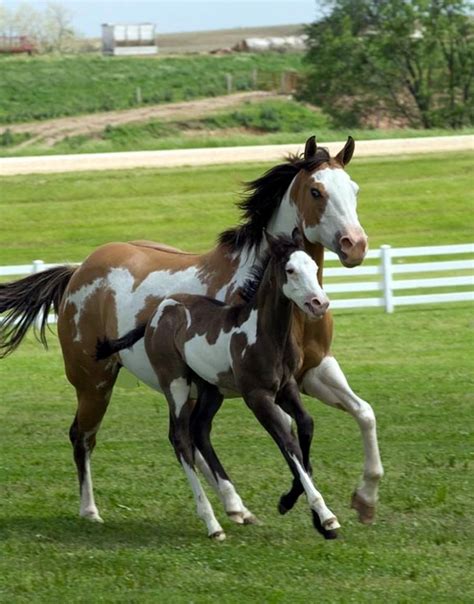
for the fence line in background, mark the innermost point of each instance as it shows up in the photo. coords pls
(390, 263)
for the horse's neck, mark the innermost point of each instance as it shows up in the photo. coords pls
(316, 251)
(229, 270)
(285, 217)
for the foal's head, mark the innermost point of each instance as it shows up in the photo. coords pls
(292, 271)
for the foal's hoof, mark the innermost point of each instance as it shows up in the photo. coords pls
(366, 511)
(328, 529)
(286, 503)
(217, 536)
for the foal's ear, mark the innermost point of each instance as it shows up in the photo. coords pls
(310, 147)
(297, 236)
(271, 240)
(345, 155)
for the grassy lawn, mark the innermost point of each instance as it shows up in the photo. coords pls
(36, 88)
(415, 367)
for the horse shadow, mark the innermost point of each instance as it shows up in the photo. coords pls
(114, 534)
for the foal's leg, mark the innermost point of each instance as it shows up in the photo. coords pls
(209, 402)
(288, 399)
(327, 383)
(177, 395)
(262, 404)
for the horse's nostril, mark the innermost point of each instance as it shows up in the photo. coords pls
(346, 243)
(316, 302)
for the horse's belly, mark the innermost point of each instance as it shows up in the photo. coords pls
(137, 362)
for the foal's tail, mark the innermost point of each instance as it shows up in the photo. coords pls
(106, 347)
(22, 302)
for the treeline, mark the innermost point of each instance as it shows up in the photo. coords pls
(49, 29)
(407, 60)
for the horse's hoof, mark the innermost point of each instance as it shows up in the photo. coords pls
(237, 517)
(217, 536)
(92, 516)
(328, 529)
(365, 510)
(249, 518)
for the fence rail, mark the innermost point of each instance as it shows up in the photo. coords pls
(384, 266)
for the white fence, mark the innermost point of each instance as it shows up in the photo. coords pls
(383, 277)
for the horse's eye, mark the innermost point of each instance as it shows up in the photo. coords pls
(290, 271)
(315, 193)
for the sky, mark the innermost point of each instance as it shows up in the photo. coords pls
(180, 15)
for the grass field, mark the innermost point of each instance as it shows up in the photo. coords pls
(46, 87)
(415, 367)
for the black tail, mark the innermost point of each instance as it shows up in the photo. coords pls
(23, 300)
(105, 347)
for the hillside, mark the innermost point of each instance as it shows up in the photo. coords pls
(38, 88)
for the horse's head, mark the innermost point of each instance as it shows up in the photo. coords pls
(296, 274)
(326, 199)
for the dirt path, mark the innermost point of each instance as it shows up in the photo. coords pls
(51, 131)
(221, 155)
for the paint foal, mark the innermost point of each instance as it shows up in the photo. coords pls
(246, 350)
(120, 285)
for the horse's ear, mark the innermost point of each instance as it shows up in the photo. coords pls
(310, 147)
(297, 236)
(345, 155)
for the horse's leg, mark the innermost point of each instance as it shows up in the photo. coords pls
(92, 405)
(177, 395)
(209, 402)
(328, 383)
(268, 414)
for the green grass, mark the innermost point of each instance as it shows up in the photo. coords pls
(45, 87)
(415, 367)
(403, 201)
(268, 122)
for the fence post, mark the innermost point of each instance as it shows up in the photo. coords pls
(228, 80)
(38, 266)
(386, 268)
(254, 78)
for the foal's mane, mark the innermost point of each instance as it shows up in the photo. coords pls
(264, 195)
(283, 246)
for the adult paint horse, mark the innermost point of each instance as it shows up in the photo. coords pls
(246, 350)
(120, 285)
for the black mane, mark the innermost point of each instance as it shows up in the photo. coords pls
(283, 246)
(264, 195)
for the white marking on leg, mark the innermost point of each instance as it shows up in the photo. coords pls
(88, 507)
(179, 389)
(328, 383)
(231, 500)
(203, 506)
(315, 499)
(285, 418)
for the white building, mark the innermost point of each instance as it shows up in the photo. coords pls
(129, 39)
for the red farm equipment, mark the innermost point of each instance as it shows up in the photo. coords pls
(16, 44)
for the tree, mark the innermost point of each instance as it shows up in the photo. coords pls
(50, 29)
(412, 60)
